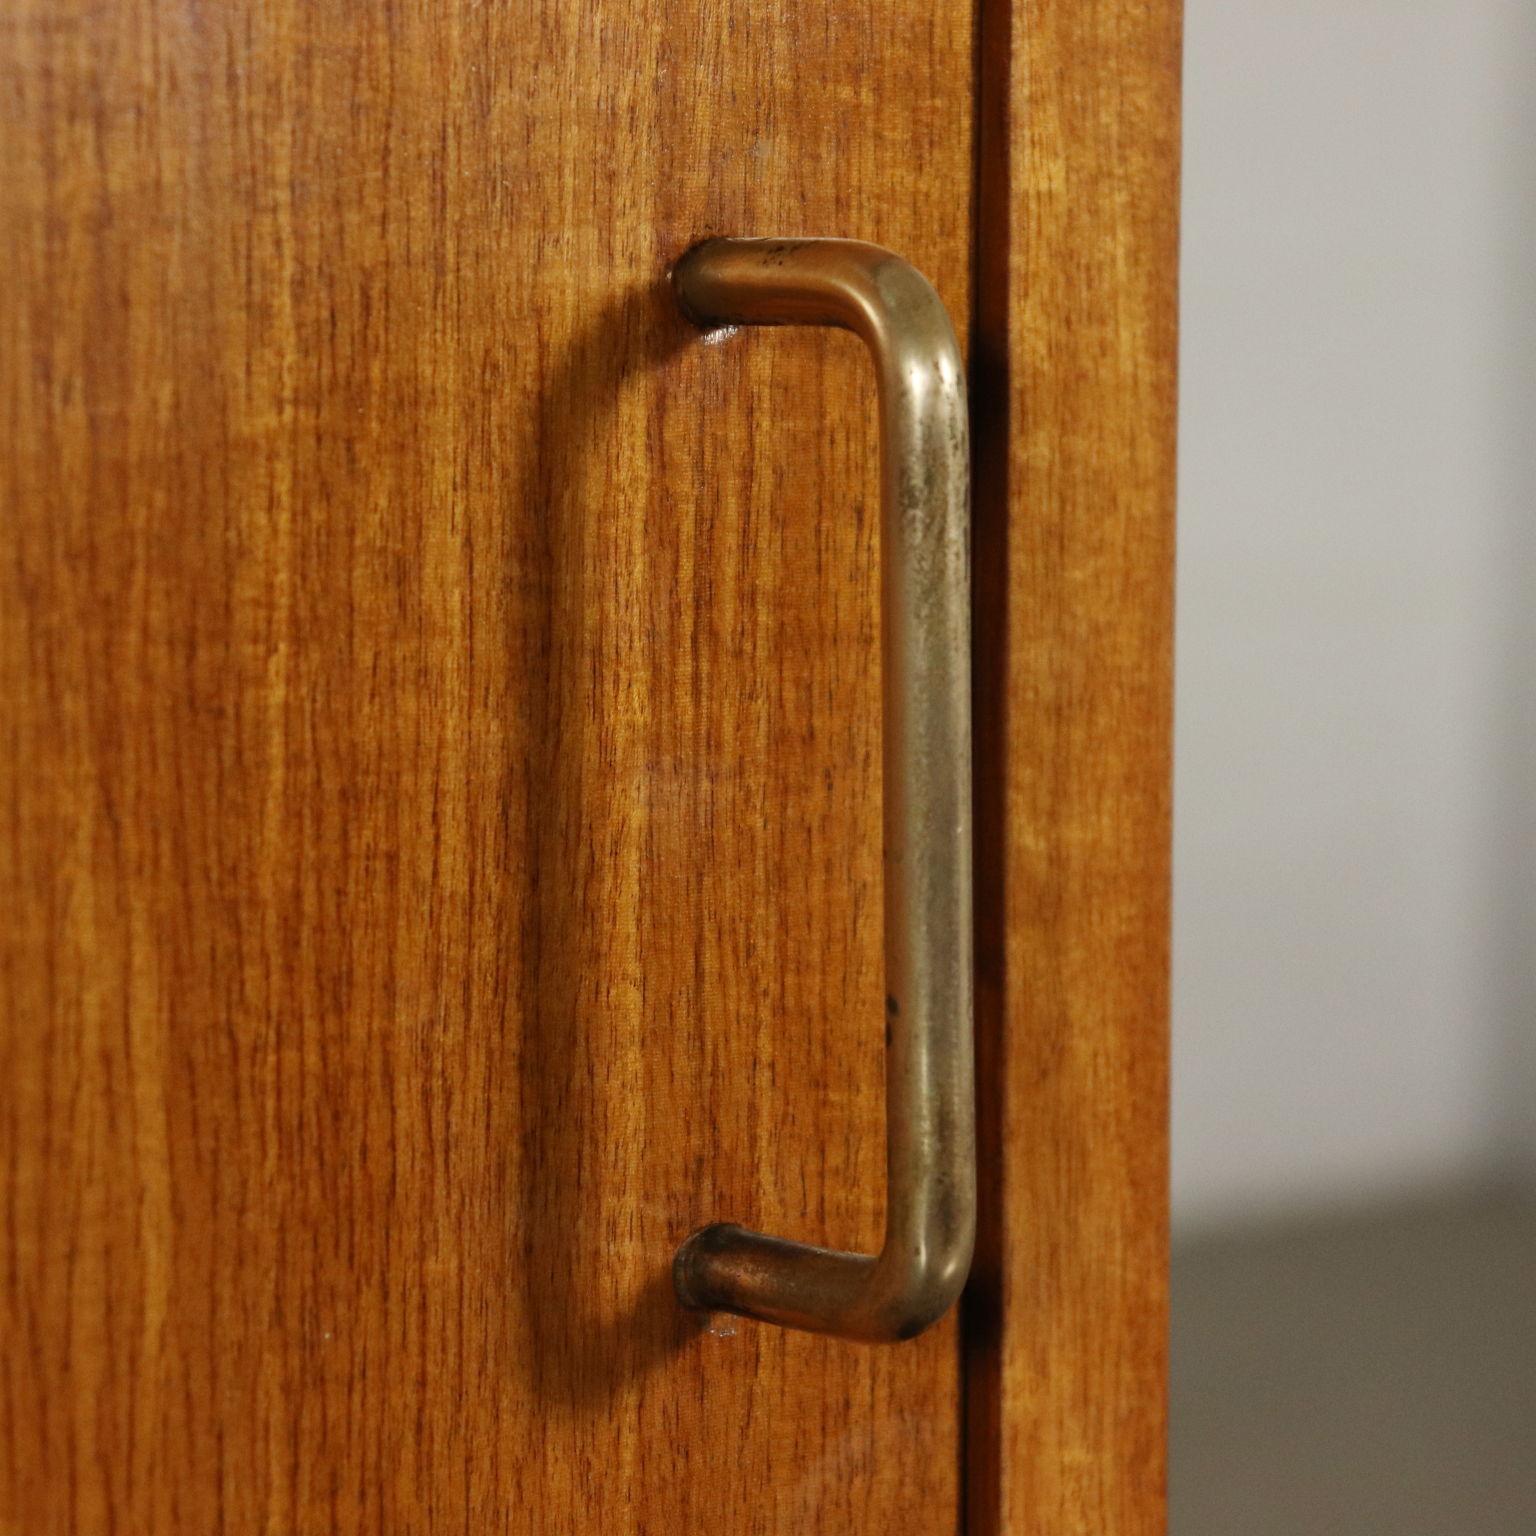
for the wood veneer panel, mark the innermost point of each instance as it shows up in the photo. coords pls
(1074, 357)
(439, 763)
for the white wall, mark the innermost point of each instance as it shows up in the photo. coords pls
(1514, 414)
(1354, 945)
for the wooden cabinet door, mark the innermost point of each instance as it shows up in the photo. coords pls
(439, 762)
(442, 763)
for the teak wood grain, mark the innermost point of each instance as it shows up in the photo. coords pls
(1074, 364)
(439, 763)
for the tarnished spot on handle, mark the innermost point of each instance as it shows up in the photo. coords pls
(925, 637)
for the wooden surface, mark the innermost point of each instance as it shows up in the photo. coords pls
(439, 802)
(1074, 385)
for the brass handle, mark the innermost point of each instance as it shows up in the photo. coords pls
(925, 638)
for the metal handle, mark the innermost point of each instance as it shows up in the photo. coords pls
(925, 636)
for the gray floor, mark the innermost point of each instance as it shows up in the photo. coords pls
(1366, 1375)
